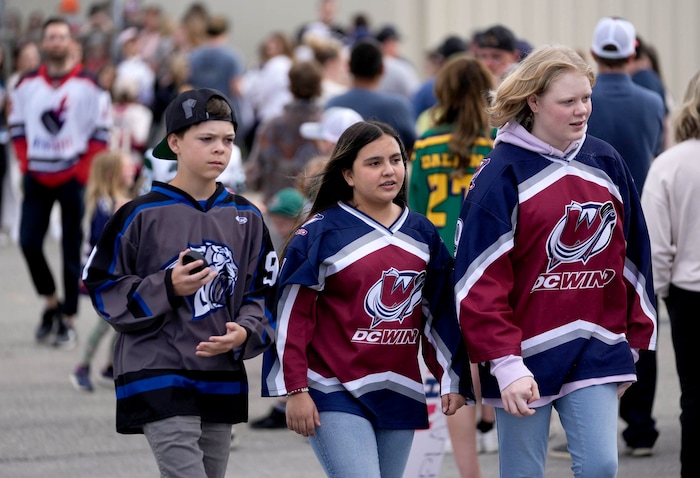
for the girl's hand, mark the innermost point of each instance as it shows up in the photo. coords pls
(451, 403)
(185, 283)
(518, 395)
(302, 415)
(218, 344)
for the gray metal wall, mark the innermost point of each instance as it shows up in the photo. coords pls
(670, 25)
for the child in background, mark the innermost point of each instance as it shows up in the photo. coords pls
(308, 181)
(132, 121)
(108, 188)
(285, 209)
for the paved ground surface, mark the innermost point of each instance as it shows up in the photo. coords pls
(48, 429)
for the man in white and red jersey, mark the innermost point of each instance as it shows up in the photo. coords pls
(59, 118)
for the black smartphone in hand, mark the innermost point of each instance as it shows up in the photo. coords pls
(195, 256)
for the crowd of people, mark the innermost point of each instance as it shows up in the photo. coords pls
(457, 211)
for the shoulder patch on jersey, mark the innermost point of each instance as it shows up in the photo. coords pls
(485, 162)
(302, 231)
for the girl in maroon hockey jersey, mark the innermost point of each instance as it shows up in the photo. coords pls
(365, 283)
(555, 291)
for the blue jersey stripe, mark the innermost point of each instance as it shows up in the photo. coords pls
(178, 381)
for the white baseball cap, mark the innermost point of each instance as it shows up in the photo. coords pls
(333, 122)
(617, 33)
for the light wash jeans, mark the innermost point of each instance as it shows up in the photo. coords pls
(186, 447)
(589, 418)
(348, 446)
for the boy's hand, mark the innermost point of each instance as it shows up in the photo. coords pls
(218, 344)
(185, 283)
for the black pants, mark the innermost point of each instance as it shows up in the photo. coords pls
(36, 213)
(3, 171)
(637, 404)
(684, 313)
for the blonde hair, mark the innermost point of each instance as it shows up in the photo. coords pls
(324, 49)
(105, 182)
(686, 123)
(533, 76)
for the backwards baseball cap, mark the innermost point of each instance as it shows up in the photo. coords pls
(614, 39)
(499, 37)
(333, 122)
(187, 109)
(288, 202)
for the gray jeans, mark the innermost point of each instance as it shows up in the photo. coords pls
(186, 447)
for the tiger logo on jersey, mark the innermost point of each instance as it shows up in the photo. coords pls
(214, 294)
(584, 231)
(394, 296)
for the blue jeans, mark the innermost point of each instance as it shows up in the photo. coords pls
(589, 418)
(348, 446)
(186, 446)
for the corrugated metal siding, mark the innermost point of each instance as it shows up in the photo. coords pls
(672, 26)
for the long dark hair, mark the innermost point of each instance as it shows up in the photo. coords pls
(333, 187)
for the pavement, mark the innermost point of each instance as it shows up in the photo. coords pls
(48, 429)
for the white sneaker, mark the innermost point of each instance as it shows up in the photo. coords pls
(487, 442)
(448, 445)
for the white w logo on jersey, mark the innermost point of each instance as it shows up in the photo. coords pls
(584, 231)
(394, 296)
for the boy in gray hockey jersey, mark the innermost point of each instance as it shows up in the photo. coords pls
(185, 327)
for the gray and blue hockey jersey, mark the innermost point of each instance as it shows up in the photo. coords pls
(128, 275)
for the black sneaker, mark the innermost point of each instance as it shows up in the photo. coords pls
(276, 419)
(48, 321)
(106, 377)
(66, 338)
